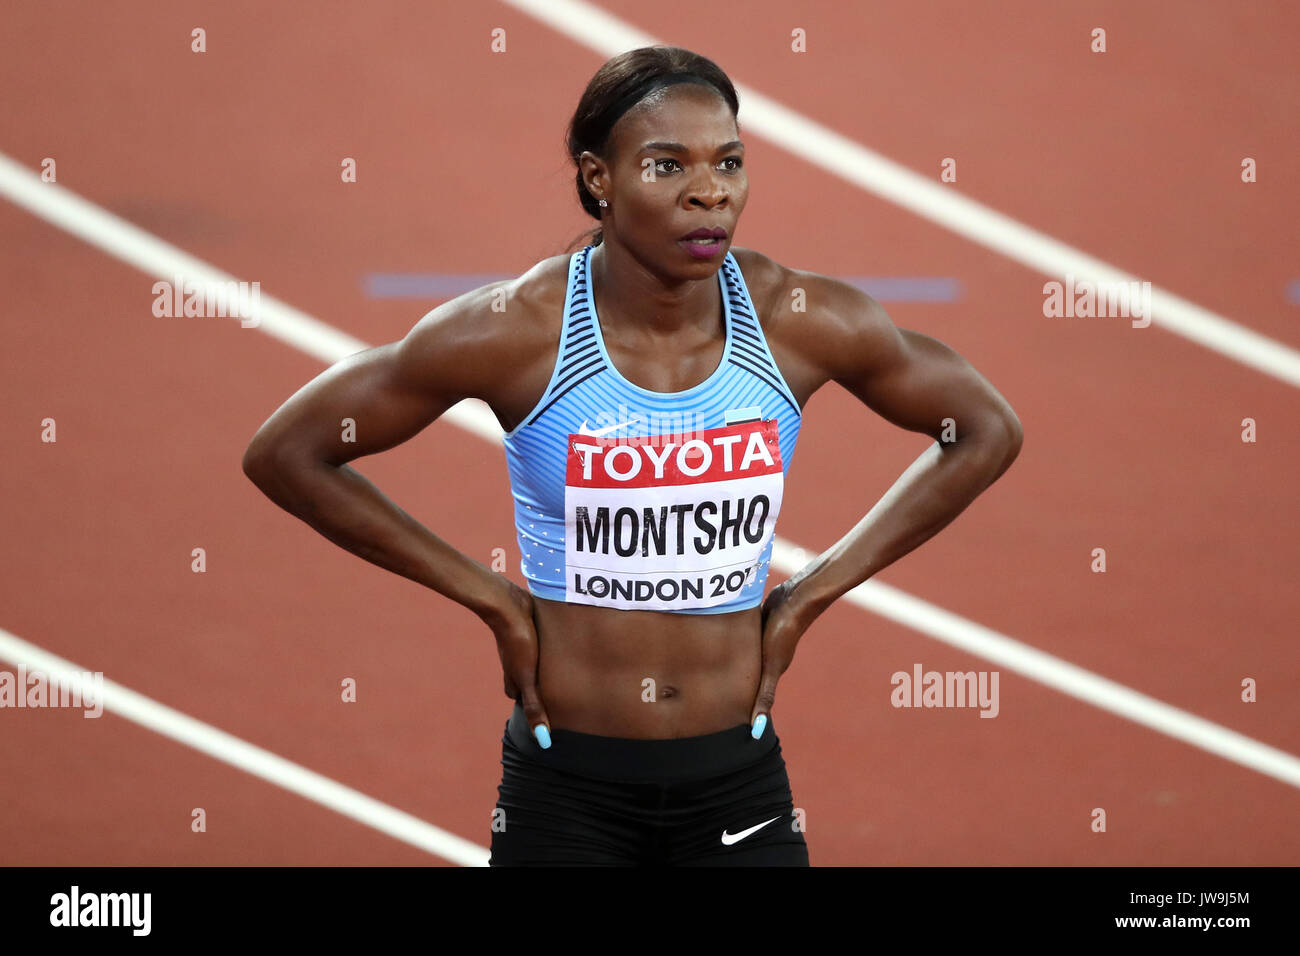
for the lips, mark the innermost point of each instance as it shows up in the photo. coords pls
(715, 233)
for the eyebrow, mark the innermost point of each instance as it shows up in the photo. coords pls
(679, 148)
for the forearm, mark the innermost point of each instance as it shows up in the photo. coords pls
(345, 507)
(934, 490)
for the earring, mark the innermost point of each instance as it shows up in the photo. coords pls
(604, 202)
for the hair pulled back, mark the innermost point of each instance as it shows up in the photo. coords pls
(620, 84)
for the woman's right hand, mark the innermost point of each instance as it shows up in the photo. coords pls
(515, 628)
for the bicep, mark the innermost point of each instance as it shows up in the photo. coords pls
(912, 380)
(377, 398)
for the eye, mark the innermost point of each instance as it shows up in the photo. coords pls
(658, 162)
(734, 159)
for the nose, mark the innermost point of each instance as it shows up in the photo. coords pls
(708, 192)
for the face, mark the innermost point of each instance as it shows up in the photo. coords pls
(674, 164)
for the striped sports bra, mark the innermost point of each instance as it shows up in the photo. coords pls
(641, 500)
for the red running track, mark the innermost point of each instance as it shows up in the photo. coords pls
(1132, 435)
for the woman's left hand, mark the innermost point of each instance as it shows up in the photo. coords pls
(784, 619)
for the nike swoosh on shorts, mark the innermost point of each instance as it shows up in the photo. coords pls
(730, 838)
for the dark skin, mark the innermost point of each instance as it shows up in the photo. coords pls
(581, 667)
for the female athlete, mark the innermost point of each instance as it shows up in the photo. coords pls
(650, 387)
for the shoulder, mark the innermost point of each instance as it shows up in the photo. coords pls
(531, 304)
(518, 304)
(830, 323)
(493, 331)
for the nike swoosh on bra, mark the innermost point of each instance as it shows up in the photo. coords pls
(730, 838)
(583, 430)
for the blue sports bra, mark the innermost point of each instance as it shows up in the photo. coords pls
(640, 500)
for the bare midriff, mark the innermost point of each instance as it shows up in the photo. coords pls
(646, 674)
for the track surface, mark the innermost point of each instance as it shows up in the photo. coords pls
(1133, 435)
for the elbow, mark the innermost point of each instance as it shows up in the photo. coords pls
(254, 468)
(1011, 436)
(996, 439)
(282, 472)
(273, 474)
(261, 460)
(1015, 435)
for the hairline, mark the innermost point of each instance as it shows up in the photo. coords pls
(607, 148)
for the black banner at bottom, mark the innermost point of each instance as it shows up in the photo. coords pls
(924, 905)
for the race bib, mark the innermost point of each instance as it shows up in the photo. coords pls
(669, 522)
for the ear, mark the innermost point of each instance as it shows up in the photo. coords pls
(595, 174)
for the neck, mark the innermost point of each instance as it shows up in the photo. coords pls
(637, 299)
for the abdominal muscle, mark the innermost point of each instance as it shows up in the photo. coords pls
(595, 666)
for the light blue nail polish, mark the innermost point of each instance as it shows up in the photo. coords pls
(543, 736)
(760, 725)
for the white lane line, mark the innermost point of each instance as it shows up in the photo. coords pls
(589, 26)
(159, 259)
(251, 759)
(1061, 675)
(476, 418)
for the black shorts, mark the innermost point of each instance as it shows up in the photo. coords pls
(720, 799)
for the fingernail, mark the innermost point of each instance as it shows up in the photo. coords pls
(543, 736)
(760, 725)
